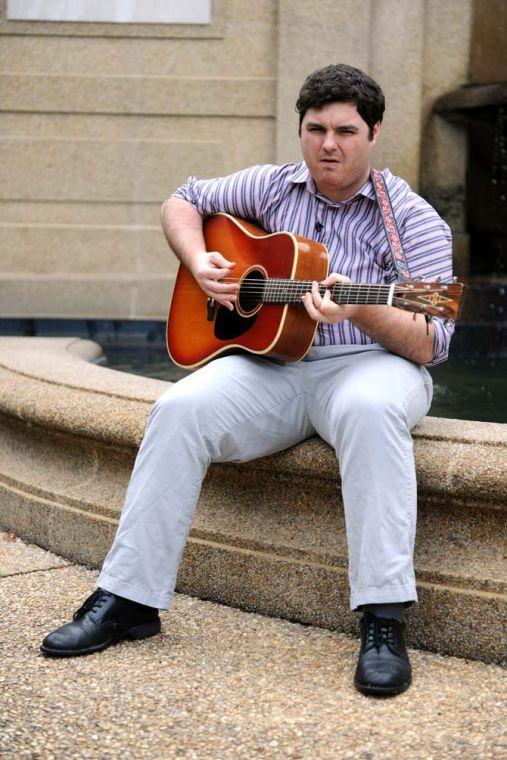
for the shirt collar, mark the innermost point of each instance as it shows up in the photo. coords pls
(301, 175)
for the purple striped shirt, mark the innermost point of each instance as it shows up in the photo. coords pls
(285, 198)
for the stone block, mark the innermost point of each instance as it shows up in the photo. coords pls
(174, 96)
(54, 213)
(102, 170)
(90, 296)
(247, 47)
(84, 249)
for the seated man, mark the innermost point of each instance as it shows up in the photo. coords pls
(362, 387)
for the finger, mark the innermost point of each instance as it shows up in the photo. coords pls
(214, 273)
(228, 302)
(220, 287)
(228, 305)
(333, 278)
(221, 261)
(310, 307)
(326, 300)
(221, 300)
(316, 297)
(326, 306)
(329, 309)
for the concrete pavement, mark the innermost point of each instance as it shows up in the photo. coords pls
(220, 683)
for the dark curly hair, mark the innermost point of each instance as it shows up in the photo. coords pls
(340, 83)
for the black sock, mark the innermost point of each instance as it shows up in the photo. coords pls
(387, 610)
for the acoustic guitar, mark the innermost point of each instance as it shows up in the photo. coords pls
(274, 271)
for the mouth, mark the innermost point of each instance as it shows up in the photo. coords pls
(329, 161)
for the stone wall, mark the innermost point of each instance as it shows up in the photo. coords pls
(99, 122)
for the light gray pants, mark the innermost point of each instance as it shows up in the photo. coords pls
(362, 400)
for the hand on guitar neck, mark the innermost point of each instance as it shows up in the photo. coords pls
(398, 331)
(322, 308)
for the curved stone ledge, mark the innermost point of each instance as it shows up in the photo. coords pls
(70, 432)
(51, 382)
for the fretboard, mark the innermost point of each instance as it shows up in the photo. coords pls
(290, 291)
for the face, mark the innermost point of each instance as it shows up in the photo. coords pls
(336, 147)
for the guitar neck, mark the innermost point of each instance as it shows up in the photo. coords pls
(290, 291)
(435, 299)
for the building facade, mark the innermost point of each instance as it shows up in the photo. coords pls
(101, 117)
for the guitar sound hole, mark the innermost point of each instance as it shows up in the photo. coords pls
(232, 324)
(251, 291)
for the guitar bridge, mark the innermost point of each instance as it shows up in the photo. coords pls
(211, 307)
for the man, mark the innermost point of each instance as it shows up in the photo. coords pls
(362, 387)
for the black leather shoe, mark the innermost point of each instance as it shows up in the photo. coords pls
(383, 667)
(103, 620)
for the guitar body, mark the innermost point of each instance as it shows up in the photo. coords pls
(198, 331)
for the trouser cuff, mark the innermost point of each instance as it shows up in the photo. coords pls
(385, 595)
(134, 593)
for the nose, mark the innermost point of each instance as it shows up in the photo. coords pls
(330, 142)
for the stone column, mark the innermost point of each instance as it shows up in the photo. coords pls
(313, 34)
(444, 144)
(382, 37)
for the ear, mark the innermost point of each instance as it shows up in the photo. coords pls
(376, 130)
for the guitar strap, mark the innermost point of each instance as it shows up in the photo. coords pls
(390, 226)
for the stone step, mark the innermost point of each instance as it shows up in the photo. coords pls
(269, 535)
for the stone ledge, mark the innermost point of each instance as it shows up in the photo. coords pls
(471, 96)
(51, 382)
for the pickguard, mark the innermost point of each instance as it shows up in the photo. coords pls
(230, 325)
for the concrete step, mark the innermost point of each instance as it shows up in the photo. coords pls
(219, 683)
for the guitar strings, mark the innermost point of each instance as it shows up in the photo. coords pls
(290, 292)
(287, 284)
(350, 290)
(279, 291)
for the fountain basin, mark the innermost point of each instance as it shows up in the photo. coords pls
(269, 535)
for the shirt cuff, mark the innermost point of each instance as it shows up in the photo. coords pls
(444, 329)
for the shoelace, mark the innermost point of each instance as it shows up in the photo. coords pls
(94, 601)
(381, 631)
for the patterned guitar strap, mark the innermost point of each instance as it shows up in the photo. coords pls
(391, 229)
(390, 226)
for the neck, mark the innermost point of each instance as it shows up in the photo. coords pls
(290, 291)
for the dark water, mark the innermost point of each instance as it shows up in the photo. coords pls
(468, 389)
(464, 388)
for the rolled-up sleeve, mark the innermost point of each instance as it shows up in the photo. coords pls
(239, 194)
(427, 243)
(444, 329)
